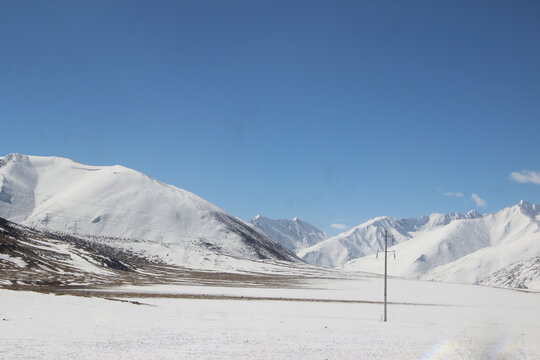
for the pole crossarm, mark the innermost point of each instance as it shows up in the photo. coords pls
(382, 251)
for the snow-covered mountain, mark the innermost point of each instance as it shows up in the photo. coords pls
(492, 249)
(62, 195)
(367, 238)
(522, 275)
(488, 249)
(293, 234)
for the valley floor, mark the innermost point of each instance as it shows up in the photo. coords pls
(302, 318)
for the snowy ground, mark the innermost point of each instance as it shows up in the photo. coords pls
(311, 319)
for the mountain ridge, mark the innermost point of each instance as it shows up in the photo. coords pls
(59, 194)
(293, 234)
(450, 247)
(468, 250)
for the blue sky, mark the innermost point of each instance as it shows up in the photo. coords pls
(335, 112)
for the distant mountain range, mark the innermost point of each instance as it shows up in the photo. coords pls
(158, 220)
(293, 234)
(367, 238)
(133, 216)
(499, 249)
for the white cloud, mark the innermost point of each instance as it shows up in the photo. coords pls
(478, 200)
(526, 176)
(339, 226)
(456, 194)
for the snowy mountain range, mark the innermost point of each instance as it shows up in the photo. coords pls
(126, 210)
(473, 248)
(367, 238)
(156, 219)
(293, 234)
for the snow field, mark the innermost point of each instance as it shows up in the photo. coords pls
(470, 322)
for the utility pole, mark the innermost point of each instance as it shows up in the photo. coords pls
(385, 267)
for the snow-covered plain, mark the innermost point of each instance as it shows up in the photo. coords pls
(312, 319)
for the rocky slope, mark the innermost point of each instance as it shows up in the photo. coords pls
(293, 234)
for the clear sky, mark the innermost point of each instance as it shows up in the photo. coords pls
(333, 111)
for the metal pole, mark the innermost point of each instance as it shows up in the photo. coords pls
(385, 267)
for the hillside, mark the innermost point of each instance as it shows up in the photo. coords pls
(293, 234)
(367, 238)
(470, 250)
(59, 194)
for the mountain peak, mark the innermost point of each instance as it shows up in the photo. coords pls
(11, 157)
(473, 214)
(524, 203)
(528, 208)
(293, 234)
(15, 156)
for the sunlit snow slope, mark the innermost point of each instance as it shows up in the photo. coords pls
(368, 237)
(62, 195)
(496, 249)
(493, 249)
